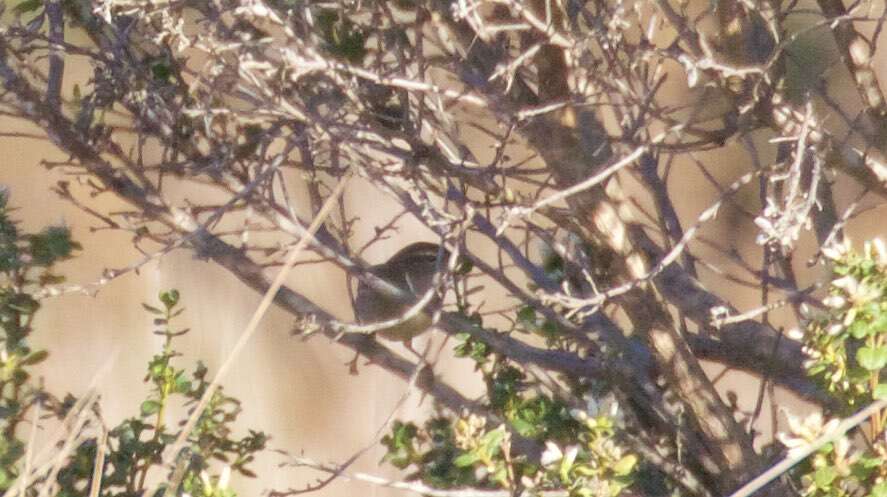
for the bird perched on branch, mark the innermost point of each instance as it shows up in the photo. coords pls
(412, 269)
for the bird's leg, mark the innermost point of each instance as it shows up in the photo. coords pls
(352, 364)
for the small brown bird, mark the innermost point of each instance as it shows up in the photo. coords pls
(412, 269)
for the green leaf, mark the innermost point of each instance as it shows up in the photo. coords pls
(150, 407)
(404, 433)
(553, 265)
(869, 462)
(28, 6)
(872, 359)
(344, 39)
(5, 478)
(463, 266)
(880, 391)
(625, 465)
(493, 438)
(22, 303)
(815, 369)
(859, 329)
(35, 358)
(550, 328)
(466, 460)
(567, 464)
(52, 245)
(20, 377)
(500, 475)
(524, 428)
(527, 317)
(182, 385)
(9, 254)
(161, 71)
(152, 309)
(170, 298)
(824, 476)
(879, 490)
(879, 323)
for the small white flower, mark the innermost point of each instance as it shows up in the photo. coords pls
(795, 334)
(836, 251)
(225, 477)
(811, 427)
(835, 329)
(834, 301)
(806, 311)
(103, 10)
(796, 446)
(570, 455)
(865, 293)
(551, 455)
(848, 283)
(803, 432)
(880, 251)
(260, 10)
(789, 441)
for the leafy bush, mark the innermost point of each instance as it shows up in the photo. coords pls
(129, 453)
(847, 348)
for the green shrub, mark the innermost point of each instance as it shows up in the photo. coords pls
(132, 450)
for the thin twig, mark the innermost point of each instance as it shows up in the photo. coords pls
(29, 452)
(99, 464)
